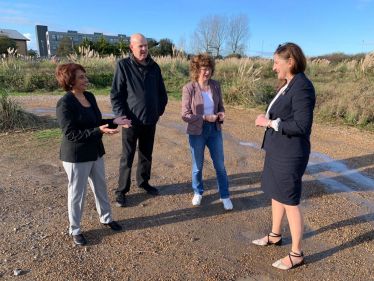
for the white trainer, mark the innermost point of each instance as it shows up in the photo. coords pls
(227, 204)
(196, 200)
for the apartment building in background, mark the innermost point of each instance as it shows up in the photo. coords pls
(48, 41)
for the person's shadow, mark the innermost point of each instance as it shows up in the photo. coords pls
(366, 237)
(248, 201)
(207, 209)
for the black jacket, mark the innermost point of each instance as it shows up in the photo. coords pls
(138, 92)
(81, 135)
(295, 109)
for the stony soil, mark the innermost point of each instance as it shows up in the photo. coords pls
(165, 237)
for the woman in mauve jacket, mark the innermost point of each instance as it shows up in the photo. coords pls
(203, 111)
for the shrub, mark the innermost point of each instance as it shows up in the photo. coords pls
(242, 89)
(12, 117)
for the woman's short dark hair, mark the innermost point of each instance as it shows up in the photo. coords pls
(291, 50)
(199, 61)
(66, 74)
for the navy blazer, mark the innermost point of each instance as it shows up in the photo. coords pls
(295, 109)
(81, 135)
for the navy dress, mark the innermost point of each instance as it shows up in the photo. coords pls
(288, 149)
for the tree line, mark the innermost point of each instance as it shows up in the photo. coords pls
(219, 34)
(164, 47)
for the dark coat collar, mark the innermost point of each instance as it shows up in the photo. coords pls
(294, 79)
(89, 96)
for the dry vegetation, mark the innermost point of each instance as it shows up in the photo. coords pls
(344, 84)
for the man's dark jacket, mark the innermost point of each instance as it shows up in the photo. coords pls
(138, 91)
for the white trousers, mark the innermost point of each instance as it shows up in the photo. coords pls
(78, 175)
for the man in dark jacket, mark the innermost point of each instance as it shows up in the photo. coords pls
(138, 91)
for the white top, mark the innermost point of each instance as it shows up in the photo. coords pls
(275, 123)
(208, 103)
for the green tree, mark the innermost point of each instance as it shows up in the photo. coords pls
(164, 48)
(5, 43)
(121, 46)
(152, 43)
(85, 43)
(31, 53)
(65, 47)
(102, 46)
(154, 51)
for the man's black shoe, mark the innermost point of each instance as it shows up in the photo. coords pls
(121, 200)
(113, 225)
(79, 239)
(149, 189)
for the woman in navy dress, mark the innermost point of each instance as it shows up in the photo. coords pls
(288, 122)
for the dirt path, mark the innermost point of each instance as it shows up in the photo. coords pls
(165, 237)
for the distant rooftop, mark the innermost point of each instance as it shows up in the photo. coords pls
(13, 34)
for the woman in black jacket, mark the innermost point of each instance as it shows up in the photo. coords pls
(288, 122)
(82, 148)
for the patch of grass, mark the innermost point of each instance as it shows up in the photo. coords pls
(100, 92)
(48, 134)
(45, 137)
(38, 92)
(175, 95)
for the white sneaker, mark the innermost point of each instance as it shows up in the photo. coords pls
(227, 204)
(196, 200)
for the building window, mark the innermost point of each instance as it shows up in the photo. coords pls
(76, 39)
(54, 37)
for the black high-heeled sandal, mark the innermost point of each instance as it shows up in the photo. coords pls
(259, 242)
(280, 265)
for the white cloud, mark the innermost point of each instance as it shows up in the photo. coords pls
(10, 11)
(362, 4)
(18, 20)
(22, 5)
(32, 43)
(91, 30)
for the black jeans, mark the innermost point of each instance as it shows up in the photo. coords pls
(145, 134)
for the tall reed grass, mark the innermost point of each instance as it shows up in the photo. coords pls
(13, 117)
(344, 84)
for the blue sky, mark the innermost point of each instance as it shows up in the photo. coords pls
(318, 26)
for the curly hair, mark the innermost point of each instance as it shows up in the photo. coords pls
(291, 50)
(199, 61)
(66, 73)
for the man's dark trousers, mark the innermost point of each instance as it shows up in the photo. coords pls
(145, 134)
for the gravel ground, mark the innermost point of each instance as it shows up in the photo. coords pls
(165, 237)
